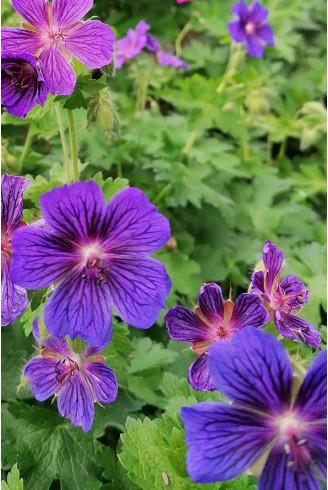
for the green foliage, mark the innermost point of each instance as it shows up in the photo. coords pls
(14, 482)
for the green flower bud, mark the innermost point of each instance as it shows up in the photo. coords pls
(102, 111)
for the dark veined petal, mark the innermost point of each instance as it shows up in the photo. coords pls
(254, 47)
(20, 41)
(223, 440)
(237, 31)
(12, 190)
(56, 347)
(59, 76)
(293, 327)
(92, 43)
(34, 11)
(134, 225)
(265, 33)
(41, 374)
(13, 298)
(211, 302)
(273, 258)
(184, 325)
(75, 402)
(138, 288)
(296, 290)
(248, 311)
(277, 475)
(311, 398)
(65, 13)
(252, 369)
(257, 284)
(75, 211)
(199, 376)
(39, 258)
(102, 381)
(80, 308)
(257, 13)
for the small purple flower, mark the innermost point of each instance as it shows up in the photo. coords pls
(283, 298)
(254, 371)
(213, 320)
(13, 298)
(22, 85)
(251, 27)
(54, 33)
(96, 254)
(77, 380)
(163, 57)
(131, 44)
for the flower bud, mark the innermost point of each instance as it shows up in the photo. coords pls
(257, 103)
(102, 111)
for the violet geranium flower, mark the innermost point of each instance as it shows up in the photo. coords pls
(254, 371)
(131, 44)
(283, 298)
(22, 84)
(53, 33)
(77, 380)
(251, 27)
(97, 257)
(213, 320)
(13, 298)
(163, 57)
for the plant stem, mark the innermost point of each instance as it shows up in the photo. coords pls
(190, 142)
(163, 192)
(63, 141)
(119, 169)
(180, 38)
(72, 132)
(231, 67)
(26, 147)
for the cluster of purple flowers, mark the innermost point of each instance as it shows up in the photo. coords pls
(135, 40)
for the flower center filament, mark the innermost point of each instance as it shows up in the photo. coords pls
(21, 77)
(64, 369)
(250, 28)
(295, 446)
(93, 265)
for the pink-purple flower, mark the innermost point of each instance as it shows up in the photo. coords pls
(213, 320)
(97, 256)
(164, 57)
(13, 297)
(283, 298)
(253, 370)
(54, 33)
(78, 380)
(251, 27)
(22, 84)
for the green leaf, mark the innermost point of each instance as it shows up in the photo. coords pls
(118, 352)
(110, 186)
(14, 482)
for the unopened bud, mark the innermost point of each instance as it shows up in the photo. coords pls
(102, 111)
(257, 103)
(308, 138)
(172, 244)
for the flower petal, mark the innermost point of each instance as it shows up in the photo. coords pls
(103, 382)
(248, 312)
(134, 224)
(12, 190)
(265, 33)
(257, 13)
(184, 325)
(34, 11)
(92, 43)
(257, 284)
(13, 298)
(252, 369)
(41, 374)
(168, 59)
(65, 13)
(211, 302)
(237, 31)
(241, 10)
(80, 308)
(293, 327)
(254, 47)
(75, 402)
(138, 288)
(199, 376)
(39, 258)
(19, 41)
(223, 440)
(57, 71)
(277, 474)
(56, 347)
(75, 211)
(273, 259)
(292, 286)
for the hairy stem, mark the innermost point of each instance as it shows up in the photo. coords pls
(26, 147)
(72, 132)
(63, 141)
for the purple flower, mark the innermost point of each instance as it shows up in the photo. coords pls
(13, 298)
(97, 257)
(131, 44)
(22, 85)
(254, 371)
(283, 298)
(53, 33)
(251, 27)
(77, 380)
(163, 57)
(213, 320)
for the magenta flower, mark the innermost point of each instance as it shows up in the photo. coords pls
(13, 298)
(97, 256)
(131, 44)
(54, 33)
(251, 27)
(284, 298)
(254, 371)
(22, 84)
(77, 380)
(213, 320)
